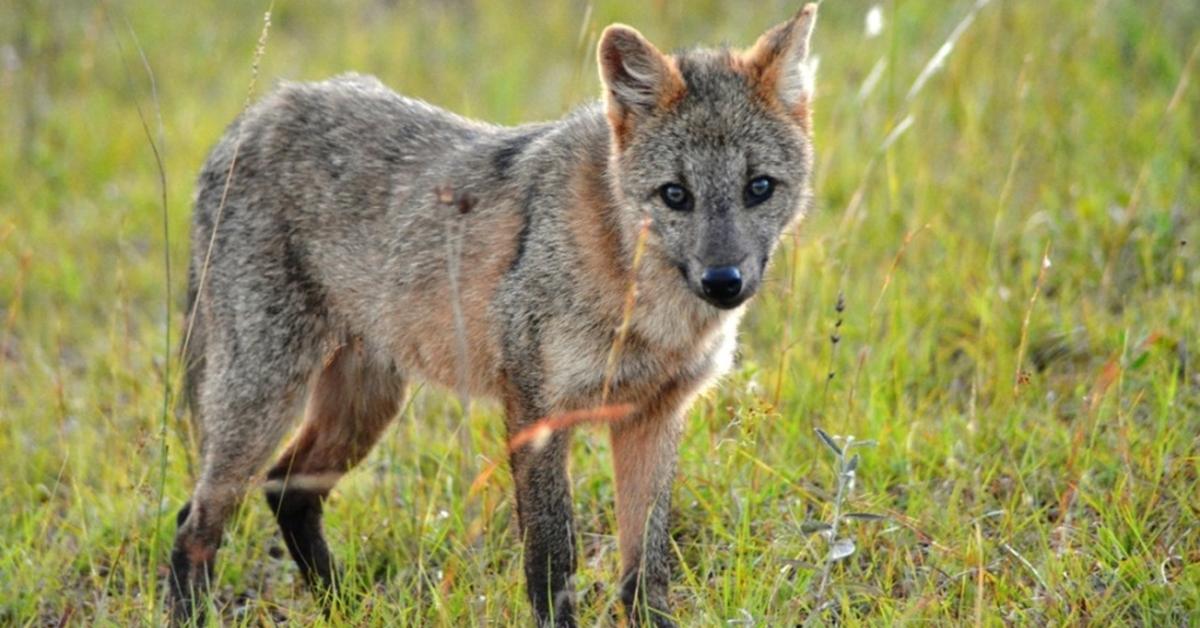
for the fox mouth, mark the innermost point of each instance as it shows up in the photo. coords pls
(728, 304)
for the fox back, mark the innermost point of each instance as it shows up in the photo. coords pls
(348, 240)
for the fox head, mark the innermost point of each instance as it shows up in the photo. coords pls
(714, 146)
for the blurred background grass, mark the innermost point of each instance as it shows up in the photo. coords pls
(1039, 473)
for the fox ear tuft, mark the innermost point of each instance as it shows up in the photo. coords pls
(637, 77)
(782, 63)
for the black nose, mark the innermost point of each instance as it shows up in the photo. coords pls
(722, 283)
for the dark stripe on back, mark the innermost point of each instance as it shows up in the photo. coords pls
(531, 193)
(510, 150)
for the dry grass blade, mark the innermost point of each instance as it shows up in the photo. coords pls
(539, 431)
(156, 147)
(1029, 566)
(1019, 375)
(259, 50)
(618, 345)
(939, 58)
(887, 281)
(460, 204)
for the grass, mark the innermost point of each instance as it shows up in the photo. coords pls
(1038, 460)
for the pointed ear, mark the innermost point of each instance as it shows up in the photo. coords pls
(781, 64)
(637, 77)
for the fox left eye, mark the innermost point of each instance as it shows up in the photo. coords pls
(758, 190)
(676, 197)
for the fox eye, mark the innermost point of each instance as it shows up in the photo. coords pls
(676, 197)
(758, 190)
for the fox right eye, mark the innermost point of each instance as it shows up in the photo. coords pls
(676, 197)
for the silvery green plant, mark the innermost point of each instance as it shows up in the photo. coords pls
(839, 547)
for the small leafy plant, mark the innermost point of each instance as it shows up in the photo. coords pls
(839, 547)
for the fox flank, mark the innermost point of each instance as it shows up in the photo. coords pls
(320, 280)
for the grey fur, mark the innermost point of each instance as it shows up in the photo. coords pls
(332, 237)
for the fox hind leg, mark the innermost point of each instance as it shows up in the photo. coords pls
(352, 402)
(247, 405)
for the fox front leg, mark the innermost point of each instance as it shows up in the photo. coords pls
(645, 450)
(547, 526)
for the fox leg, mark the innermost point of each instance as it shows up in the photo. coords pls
(246, 406)
(547, 527)
(645, 450)
(351, 404)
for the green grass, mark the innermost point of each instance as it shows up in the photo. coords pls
(1071, 497)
